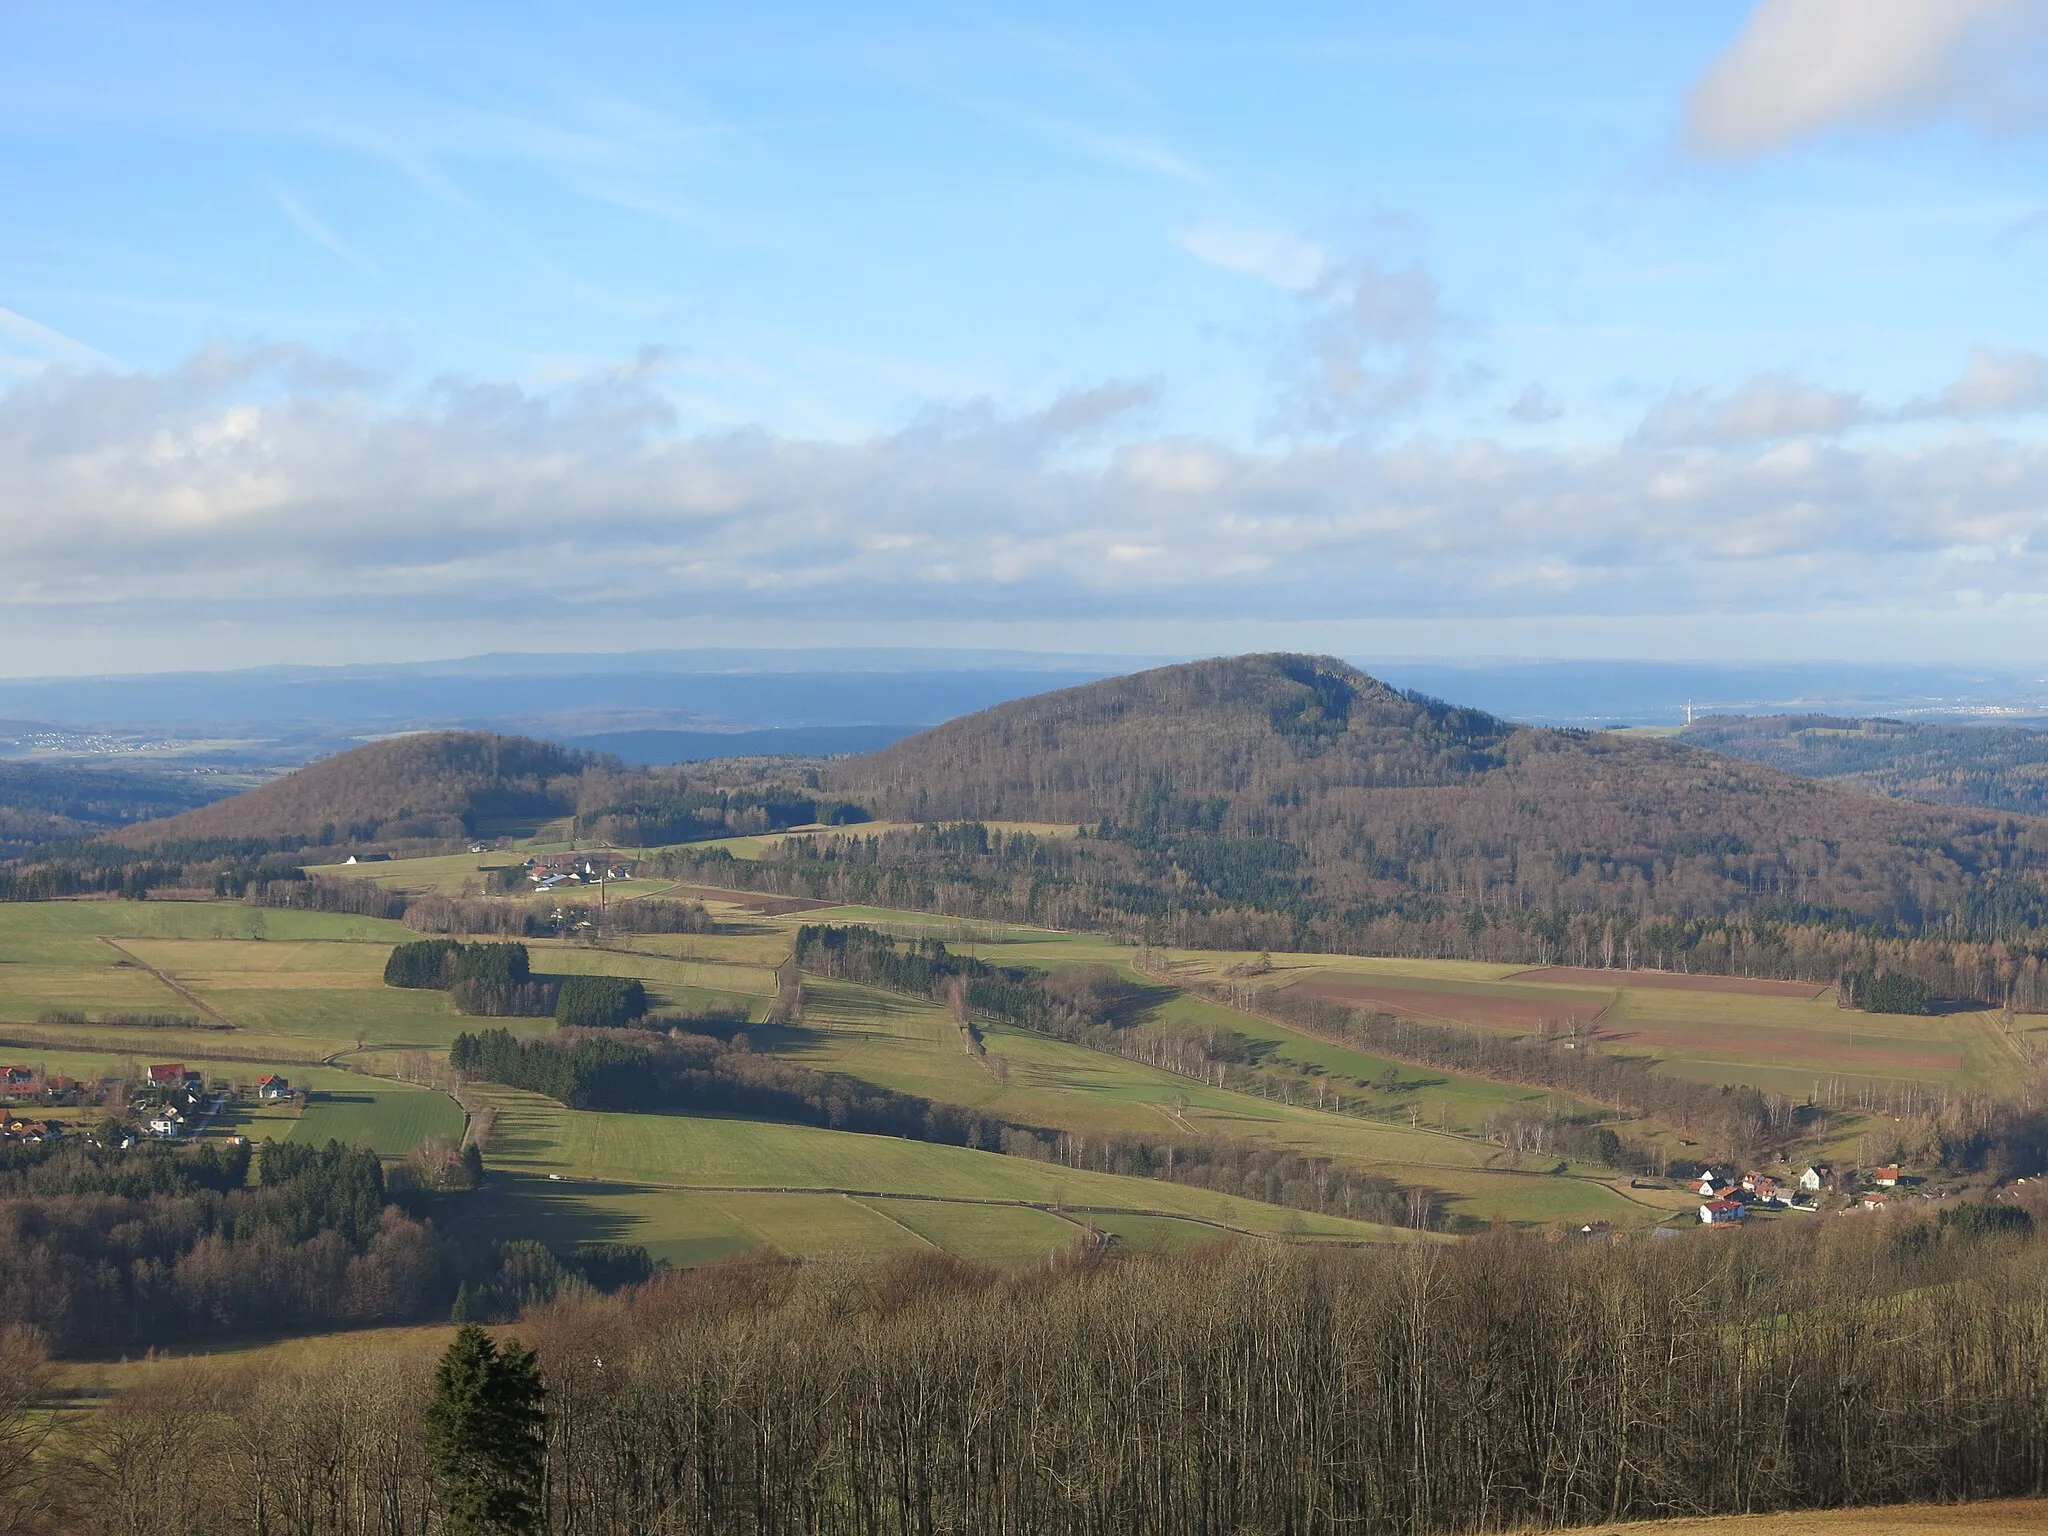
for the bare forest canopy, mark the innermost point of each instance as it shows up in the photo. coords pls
(1995, 768)
(1505, 1384)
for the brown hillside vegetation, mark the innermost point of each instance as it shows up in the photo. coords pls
(434, 785)
(1261, 776)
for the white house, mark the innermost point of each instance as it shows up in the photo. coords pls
(1815, 1177)
(166, 1122)
(1714, 1213)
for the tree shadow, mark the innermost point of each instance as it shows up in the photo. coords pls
(563, 1213)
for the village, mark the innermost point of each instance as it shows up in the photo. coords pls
(167, 1101)
(552, 874)
(1726, 1200)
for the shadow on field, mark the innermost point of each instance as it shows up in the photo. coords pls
(561, 1213)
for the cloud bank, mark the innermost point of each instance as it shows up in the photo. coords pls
(283, 484)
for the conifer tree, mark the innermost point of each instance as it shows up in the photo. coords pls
(485, 1436)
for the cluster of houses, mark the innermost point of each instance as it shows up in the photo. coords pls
(170, 1100)
(1724, 1200)
(574, 869)
(22, 1084)
(23, 1130)
(164, 1106)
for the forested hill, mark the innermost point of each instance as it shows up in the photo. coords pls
(440, 784)
(1299, 786)
(1999, 768)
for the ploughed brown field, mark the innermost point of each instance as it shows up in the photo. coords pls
(1496, 1010)
(2014, 1515)
(1737, 986)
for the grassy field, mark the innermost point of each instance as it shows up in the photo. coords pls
(300, 988)
(1714, 1029)
(617, 1164)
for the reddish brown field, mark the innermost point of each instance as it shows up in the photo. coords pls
(1778, 1046)
(1494, 1010)
(1738, 986)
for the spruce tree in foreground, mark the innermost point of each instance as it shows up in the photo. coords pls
(484, 1433)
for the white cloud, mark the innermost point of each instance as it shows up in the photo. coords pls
(1993, 383)
(1803, 67)
(274, 489)
(1367, 344)
(1271, 255)
(1763, 410)
(1775, 408)
(308, 224)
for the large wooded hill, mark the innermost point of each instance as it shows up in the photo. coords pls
(1283, 781)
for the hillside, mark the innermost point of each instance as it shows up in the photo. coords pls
(1998, 768)
(436, 785)
(1298, 786)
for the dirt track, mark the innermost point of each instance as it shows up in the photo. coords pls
(2021, 1517)
(1669, 981)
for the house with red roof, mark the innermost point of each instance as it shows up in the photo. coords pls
(1714, 1213)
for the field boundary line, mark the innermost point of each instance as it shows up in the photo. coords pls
(176, 986)
(1061, 1208)
(873, 1209)
(33, 1042)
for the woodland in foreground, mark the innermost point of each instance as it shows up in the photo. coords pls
(1501, 1383)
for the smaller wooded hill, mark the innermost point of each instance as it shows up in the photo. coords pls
(1998, 768)
(438, 784)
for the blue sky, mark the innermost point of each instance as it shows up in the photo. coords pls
(1710, 330)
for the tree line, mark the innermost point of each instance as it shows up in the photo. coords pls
(1503, 1383)
(1988, 943)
